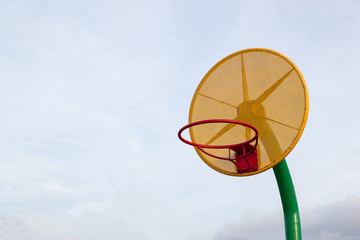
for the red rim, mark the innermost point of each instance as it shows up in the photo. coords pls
(232, 146)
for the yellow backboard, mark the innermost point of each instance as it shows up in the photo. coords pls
(257, 86)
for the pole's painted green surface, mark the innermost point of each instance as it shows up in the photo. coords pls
(289, 202)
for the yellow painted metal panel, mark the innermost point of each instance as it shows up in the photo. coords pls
(257, 86)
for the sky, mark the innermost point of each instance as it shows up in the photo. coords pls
(92, 94)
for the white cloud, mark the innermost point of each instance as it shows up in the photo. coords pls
(13, 228)
(90, 208)
(337, 221)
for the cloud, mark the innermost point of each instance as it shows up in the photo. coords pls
(13, 228)
(252, 228)
(90, 208)
(334, 222)
(338, 221)
(66, 227)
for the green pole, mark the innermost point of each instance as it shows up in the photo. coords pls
(289, 202)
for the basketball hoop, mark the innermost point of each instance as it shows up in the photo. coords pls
(246, 159)
(266, 89)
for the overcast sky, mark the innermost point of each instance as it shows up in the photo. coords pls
(92, 94)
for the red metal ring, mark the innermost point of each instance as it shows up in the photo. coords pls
(255, 138)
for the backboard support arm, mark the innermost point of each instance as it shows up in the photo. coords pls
(289, 201)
